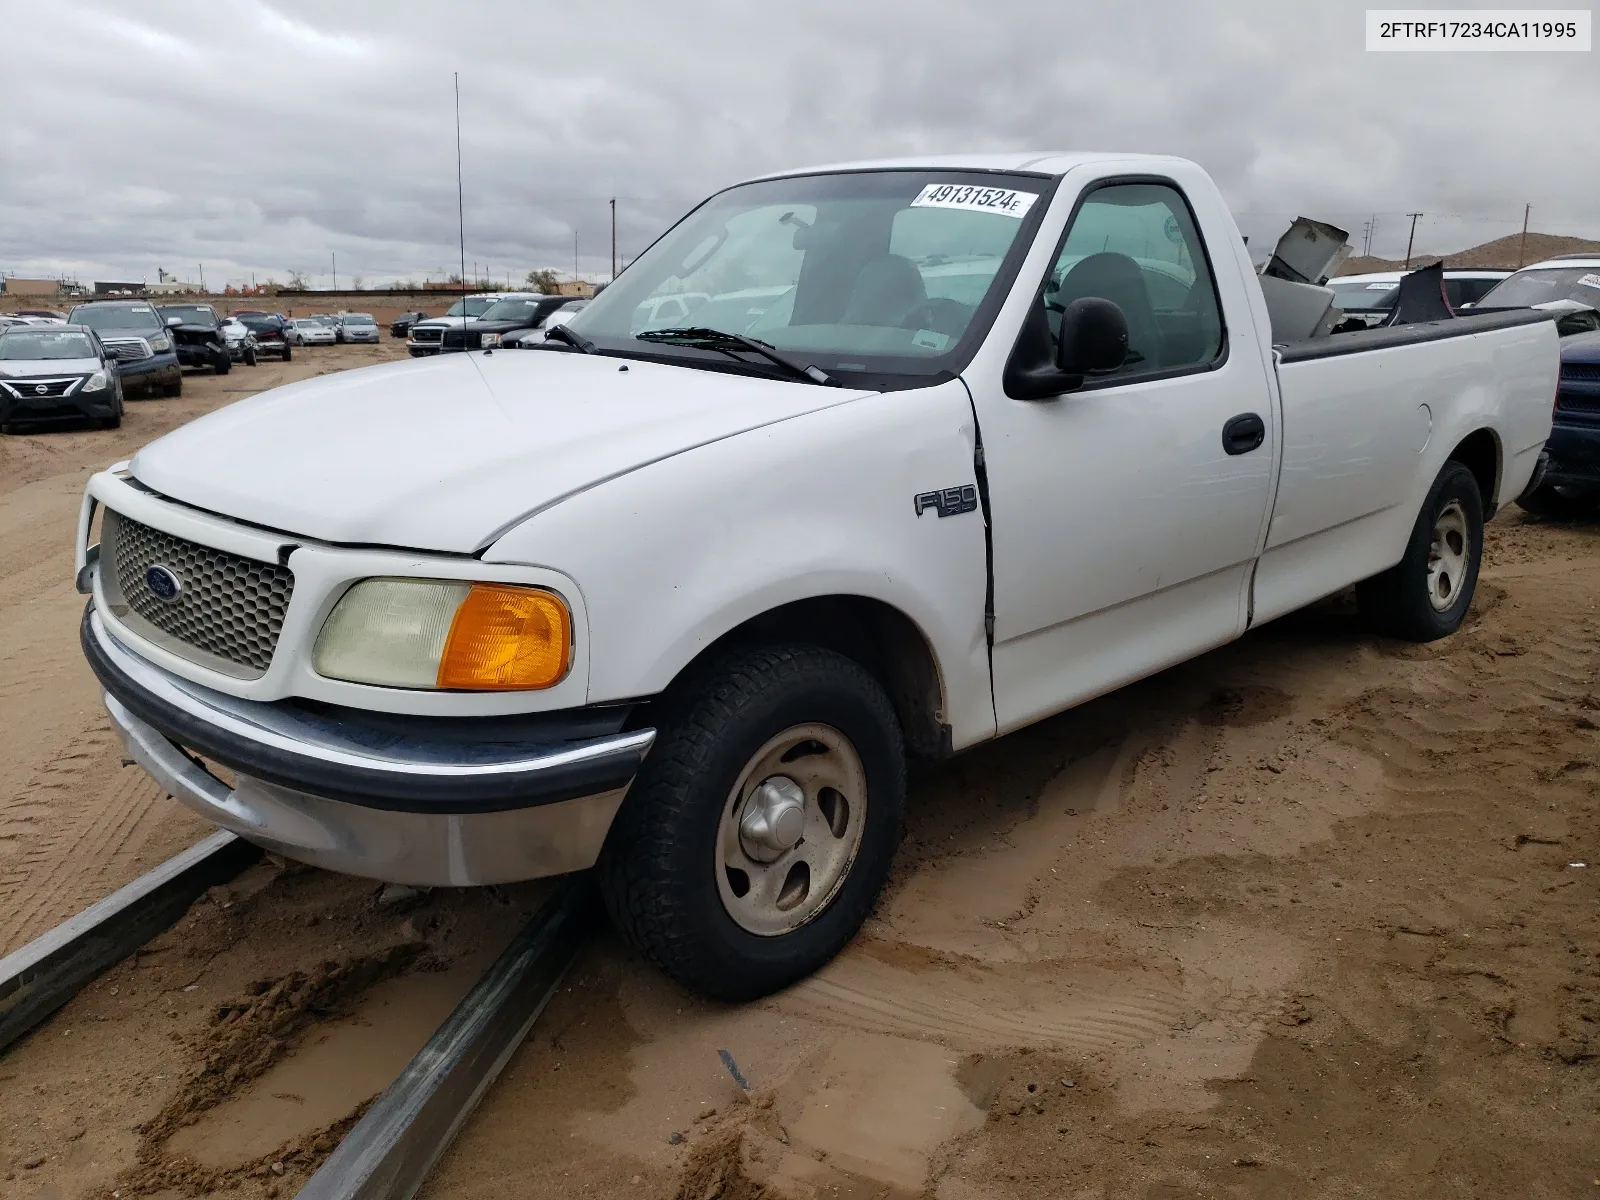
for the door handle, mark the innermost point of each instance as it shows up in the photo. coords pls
(1243, 433)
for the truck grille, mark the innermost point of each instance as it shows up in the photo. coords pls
(1581, 373)
(128, 349)
(431, 336)
(227, 613)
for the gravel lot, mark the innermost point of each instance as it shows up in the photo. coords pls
(1300, 918)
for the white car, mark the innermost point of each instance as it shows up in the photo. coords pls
(679, 604)
(240, 340)
(309, 331)
(1371, 297)
(358, 327)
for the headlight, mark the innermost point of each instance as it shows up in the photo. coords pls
(438, 633)
(97, 382)
(161, 343)
(490, 340)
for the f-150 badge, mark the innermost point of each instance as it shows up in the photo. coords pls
(950, 502)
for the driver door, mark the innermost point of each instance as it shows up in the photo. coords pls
(1125, 530)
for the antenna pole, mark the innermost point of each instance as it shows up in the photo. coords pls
(613, 237)
(461, 219)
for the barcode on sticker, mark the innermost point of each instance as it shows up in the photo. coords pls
(1007, 202)
(1589, 281)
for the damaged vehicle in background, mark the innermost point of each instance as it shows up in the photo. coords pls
(197, 336)
(270, 332)
(240, 340)
(507, 315)
(1371, 296)
(134, 332)
(427, 337)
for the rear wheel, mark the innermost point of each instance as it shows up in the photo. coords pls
(761, 827)
(1561, 501)
(1426, 594)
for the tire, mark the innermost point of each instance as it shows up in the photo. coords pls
(174, 389)
(249, 356)
(288, 354)
(1560, 501)
(1425, 596)
(224, 365)
(664, 871)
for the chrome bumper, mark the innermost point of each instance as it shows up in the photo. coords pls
(412, 811)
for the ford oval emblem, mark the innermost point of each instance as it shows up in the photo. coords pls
(163, 583)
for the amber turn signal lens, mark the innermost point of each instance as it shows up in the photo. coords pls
(506, 638)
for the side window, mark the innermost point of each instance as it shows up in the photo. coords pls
(1136, 245)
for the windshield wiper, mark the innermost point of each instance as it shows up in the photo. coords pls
(717, 339)
(571, 337)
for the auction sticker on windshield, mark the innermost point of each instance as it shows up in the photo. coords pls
(1004, 201)
(1589, 281)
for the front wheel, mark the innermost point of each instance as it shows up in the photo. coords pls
(223, 365)
(1425, 596)
(760, 829)
(249, 356)
(288, 353)
(1560, 501)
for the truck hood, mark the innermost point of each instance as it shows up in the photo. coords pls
(447, 453)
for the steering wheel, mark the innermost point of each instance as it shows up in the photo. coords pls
(938, 313)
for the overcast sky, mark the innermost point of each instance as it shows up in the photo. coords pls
(256, 137)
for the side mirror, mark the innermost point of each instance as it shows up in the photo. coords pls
(1094, 337)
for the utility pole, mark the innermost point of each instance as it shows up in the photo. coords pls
(461, 220)
(1522, 254)
(574, 252)
(334, 254)
(1411, 237)
(613, 237)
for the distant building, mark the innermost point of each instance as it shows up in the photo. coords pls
(104, 287)
(574, 287)
(31, 287)
(174, 287)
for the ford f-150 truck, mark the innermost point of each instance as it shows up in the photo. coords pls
(677, 601)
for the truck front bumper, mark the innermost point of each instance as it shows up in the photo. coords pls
(1574, 454)
(435, 805)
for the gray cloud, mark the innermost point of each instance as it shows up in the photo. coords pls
(260, 138)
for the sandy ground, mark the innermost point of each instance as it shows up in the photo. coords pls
(1300, 918)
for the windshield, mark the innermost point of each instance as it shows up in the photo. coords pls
(138, 318)
(190, 314)
(1543, 284)
(358, 319)
(472, 306)
(1364, 295)
(511, 310)
(882, 272)
(37, 344)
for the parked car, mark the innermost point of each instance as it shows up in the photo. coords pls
(241, 340)
(358, 327)
(47, 314)
(1569, 286)
(401, 325)
(563, 608)
(1371, 296)
(197, 336)
(270, 332)
(427, 337)
(509, 314)
(57, 372)
(310, 331)
(134, 332)
(334, 321)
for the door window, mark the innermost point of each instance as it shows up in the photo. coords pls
(1136, 245)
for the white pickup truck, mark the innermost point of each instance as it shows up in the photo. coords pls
(678, 602)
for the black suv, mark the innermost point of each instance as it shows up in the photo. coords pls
(506, 315)
(135, 333)
(402, 324)
(198, 335)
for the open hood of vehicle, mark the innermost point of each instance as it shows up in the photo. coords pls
(447, 453)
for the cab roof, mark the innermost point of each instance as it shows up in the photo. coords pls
(1037, 162)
